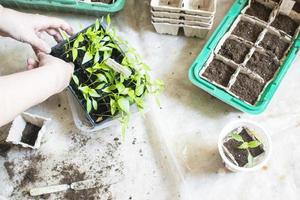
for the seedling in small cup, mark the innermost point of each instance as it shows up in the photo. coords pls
(27, 130)
(244, 146)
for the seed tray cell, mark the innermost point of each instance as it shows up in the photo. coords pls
(255, 80)
(260, 10)
(286, 24)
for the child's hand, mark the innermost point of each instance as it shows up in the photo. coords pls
(28, 27)
(57, 68)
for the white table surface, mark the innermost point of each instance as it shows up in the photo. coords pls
(190, 120)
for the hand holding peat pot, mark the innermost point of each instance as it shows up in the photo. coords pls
(244, 146)
(28, 27)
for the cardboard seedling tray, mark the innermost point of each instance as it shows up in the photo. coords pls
(246, 79)
(18, 127)
(189, 31)
(195, 7)
(181, 21)
(171, 15)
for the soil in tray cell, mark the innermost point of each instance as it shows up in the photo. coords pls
(240, 155)
(247, 30)
(259, 10)
(264, 65)
(234, 50)
(219, 72)
(248, 138)
(274, 44)
(297, 7)
(286, 24)
(30, 134)
(246, 88)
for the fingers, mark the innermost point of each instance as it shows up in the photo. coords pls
(55, 33)
(55, 23)
(37, 43)
(32, 63)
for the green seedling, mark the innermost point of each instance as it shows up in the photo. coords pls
(246, 145)
(98, 44)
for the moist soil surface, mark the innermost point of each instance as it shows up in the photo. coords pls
(30, 133)
(219, 72)
(264, 65)
(103, 1)
(274, 44)
(247, 88)
(286, 24)
(248, 138)
(259, 10)
(247, 30)
(240, 155)
(297, 7)
(234, 50)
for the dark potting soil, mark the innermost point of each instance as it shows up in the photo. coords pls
(240, 155)
(103, 1)
(263, 65)
(274, 44)
(219, 72)
(247, 30)
(297, 7)
(246, 88)
(234, 50)
(259, 10)
(286, 24)
(248, 138)
(4, 148)
(30, 133)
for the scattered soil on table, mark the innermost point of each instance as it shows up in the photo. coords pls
(297, 7)
(247, 30)
(286, 24)
(259, 10)
(31, 176)
(234, 50)
(246, 88)
(71, 174)
(9, 166)
(248, 138)
(274, 44)
(4, 148)
(240, 155)
(219, 72)
(30, 133)
(263, 65)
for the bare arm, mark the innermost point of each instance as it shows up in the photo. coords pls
(22, 90)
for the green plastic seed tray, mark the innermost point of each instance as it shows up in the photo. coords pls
(224, 94)
(75, 6)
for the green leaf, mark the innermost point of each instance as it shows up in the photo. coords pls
(88, 105)
(93, 93)
(106, 55)
(87, 57)
(84, 89)
(108, 20)
(97, 25)
(100, 86)
(124, 104)
(97, 57)
(74, 53)
(254, 144)
(236, 136)
(113, 106)
(95, 104)
(120, 87)
(101, 78)
(244, 146)
(75, 79)
(139, 90)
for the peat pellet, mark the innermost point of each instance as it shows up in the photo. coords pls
(263, 64)
(247, 30)
(286, 24)
(248, 138)
(30, 133)
(297, 7)
(219, 72)
(234, 50)
(274, 44)
(259, 10)
(240, 155)
(246, 88)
